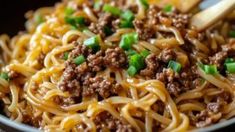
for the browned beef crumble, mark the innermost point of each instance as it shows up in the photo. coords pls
(80, 49)
(214, 107)
(105, 20)
(81, 80)
(144, 31)
(103, 87)
(96, 61)
(105, 120)
(212, 112)
(176, 83)
(155, 16)
(203, 119)
(152, 64)
(115, 58)
(167, 54)
(218, 59)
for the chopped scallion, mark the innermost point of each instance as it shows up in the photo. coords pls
(111, 9)
(107, 30)
(127, 40)
(66, 56)
(229, 60)
(75, 21)
(137, 61)
(131, 71)
(131, 52)
(97, 4)
(174, 66)
(79, 60)
(168, 8)
(4, 75)
(230, 67)
(144, 53)
(231, 34)
(144, 3)
(128, 15)
(69, 11)
(93, 43)
(126, 24)
(210, 69)
(38, 18)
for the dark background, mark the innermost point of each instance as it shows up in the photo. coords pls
(12, 13)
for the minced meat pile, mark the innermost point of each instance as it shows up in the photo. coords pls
(81, 79)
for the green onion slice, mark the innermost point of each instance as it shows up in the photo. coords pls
(38, 18)
(131, 52)
(230, 67)
(175, 66)
(137, 61)
(144, 53)
(4, 75)
(144, 3)
(69, 11)
(231, 34)
(127, 40)
(131, 71)
(126, 24)
(111, 9)
(79, 60)
(229, 60)
(75, 21)
(93, 43)
(66, 56)
(168, 8)
(128, 15)
(210, 69)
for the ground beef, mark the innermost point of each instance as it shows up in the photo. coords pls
(96, 61)
(214, 107)
(152, 64)
(69, 80)
(105, 20)
(80, 49)
(144, 31)
(174, 18)
(104, 121)
(167, 54)
(203, 119)
(177, 83)
(189, 78)
(180, 20)
(173, 88)
(103, 87)
(218, 59)
(152, 14)
(115, 58)
(177, 20)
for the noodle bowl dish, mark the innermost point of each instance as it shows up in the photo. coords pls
(118, 66)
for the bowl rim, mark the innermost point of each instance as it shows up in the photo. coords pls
(7, 124)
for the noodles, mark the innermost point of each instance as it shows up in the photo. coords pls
(117, 66)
